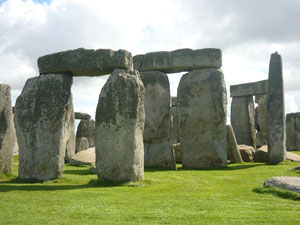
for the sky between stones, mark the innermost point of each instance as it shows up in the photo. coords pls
(246, 31)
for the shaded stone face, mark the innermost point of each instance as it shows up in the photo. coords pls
(82, 116)
(293, 131)
(86, 128)
(158, 151)
(242, 120)
(43, 113)
(70, 126)
(120, 120)
(7, 130)
(249, 89)
(202, 101)
(261, 120)
(174, 121)
(233, 152)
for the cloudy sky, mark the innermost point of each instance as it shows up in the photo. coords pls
(246, 31)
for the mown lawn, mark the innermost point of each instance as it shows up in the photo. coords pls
(215, 196)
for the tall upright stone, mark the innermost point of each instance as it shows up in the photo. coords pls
(70, 125)
(85, 129)
(293, 131)
(158, 151)
(276, 112)
(202, 102)
(242, 120)
(43, 112)
(174, 121)
(261, 120)
(120, 120)
(7, 130)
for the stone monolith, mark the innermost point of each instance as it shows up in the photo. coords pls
(260, 114)
(174, 121)
(293, 131)
(86, 128)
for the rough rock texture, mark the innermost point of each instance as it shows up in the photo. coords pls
(261, 120)
(82, 116)
(202, 102)
(233, 153)
(120, 120)
(158, 151)
(42, 117)
(247, 152)
(261, 155)
(287, 183)
(7, 130)
(242, 120)
(177, 152)
(174, 121)
(93, 170)
(249, 89)
(70, 125)
(85, 157)
(86, 128)
(293, 131)
(179, 60)
(276, 137)
(85, 62)
(82, 144)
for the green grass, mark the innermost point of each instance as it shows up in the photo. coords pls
(233, 195)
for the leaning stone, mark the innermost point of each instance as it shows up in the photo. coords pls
(276, 137)
(260, 114)
(158, 151)
(249, 89)
(42, 114)
(293, 131)
(179, 60)
(7, 130)
(284, 182)
(247, 152)
(233, 152)
(202, 104)
(85, 129)
(85, 62)
(120, 120)
(85, 157)
(82, 116)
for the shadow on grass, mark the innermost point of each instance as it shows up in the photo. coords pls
(79, 172)
(278, 192)
(228, 168)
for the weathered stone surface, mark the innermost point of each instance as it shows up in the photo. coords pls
(120, 120)
(233, 153)
(42, 114)
(179, 60)
(7, 130)
(85, 62)
(263, 151)
(249, 89)
(82, 144)
(86, 128)
(292, 157)
(283, 182)
(93, 170)
(85, 157)
(174, 121)
(70, 126)
(247, 152)
(260, 115)
(177, 152)
(158, 151)
(242, 120)
(276, 137)
(293, 131)
(202, 102)
(82, 116)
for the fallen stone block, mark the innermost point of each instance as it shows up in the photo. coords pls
(284, 182)
(247, 152)
(85, 157)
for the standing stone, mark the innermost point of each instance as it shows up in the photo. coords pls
(261, 120)
(275, 112)
(82, 144)
(42, 114)
(70, 125)
(120, 120)
(158, 151)
(293, 131)
(174, 121)
(242, 120)
(7, 130)
(202, 102)
(233, 152)
(86, 128)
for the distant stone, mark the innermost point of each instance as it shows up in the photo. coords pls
(7, 130)
(70, 126)
(283, 182)
(202, 104)
(86, 128)
(292, 157)
(174, 121)
(247, 152)
(177, 152)
(120, 120)
(261, 154)
(81, 144)
(82, 116)
(158, 151)
(179, 60)
(293, 131)
(42, 115)
(249, 89)
(233, 152)
(85, 157)
(85, 62)
(260, 114)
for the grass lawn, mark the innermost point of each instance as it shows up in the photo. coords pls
(214, 196)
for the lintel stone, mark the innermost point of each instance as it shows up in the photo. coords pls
(248, 89)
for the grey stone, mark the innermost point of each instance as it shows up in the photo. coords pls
(260, 114)
(263, 152)
(70, 126)
(82, 116)
(242, 120)
(247, 152)
(202, 103)
(7, 130)
(276, 137)
(158, 151)
(174, 121)
(177, 152)
(233, 152)
(284, 182)
(293, 131)
(85, 157)
(249, 89)
(120, 120)
(85, 62)
(82, 144)
(86, 128)
(179, 60)
(42, 114)
(93, 170)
